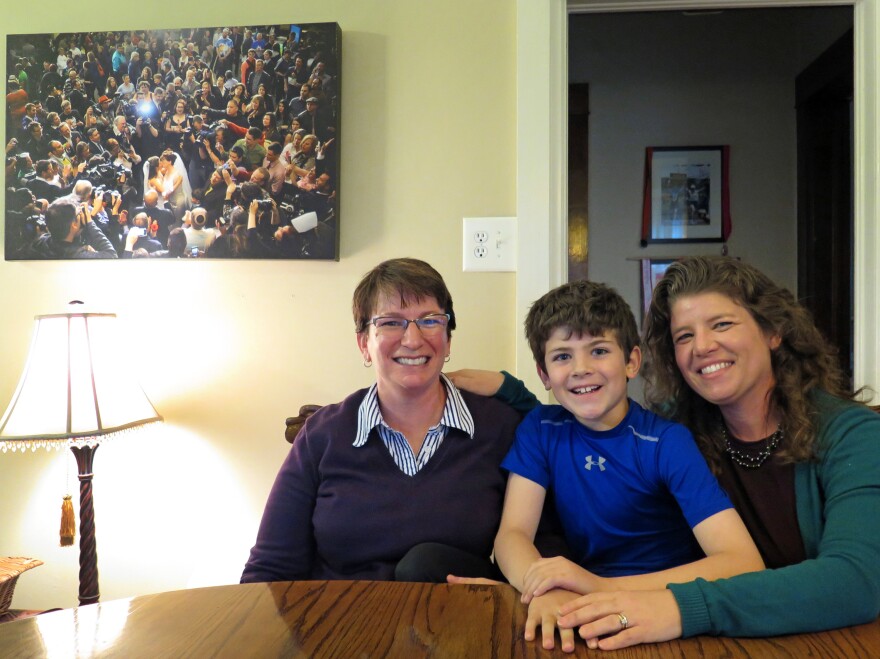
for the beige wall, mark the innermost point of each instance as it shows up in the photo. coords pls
(227, 350)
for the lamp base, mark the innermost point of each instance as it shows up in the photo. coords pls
(88, 552)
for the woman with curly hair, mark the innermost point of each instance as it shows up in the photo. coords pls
(735, 358)
(739, 361)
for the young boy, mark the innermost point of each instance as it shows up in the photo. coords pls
(637, 502)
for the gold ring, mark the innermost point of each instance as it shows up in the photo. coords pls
(624, 623)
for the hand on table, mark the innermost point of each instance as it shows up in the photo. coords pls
(543, 613)
(651, 616)
(472, 581)
(546, 574)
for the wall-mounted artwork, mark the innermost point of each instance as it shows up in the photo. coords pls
(652, 272)
(203, 142)
(686, 195)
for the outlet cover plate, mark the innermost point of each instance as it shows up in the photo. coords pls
(489, 244)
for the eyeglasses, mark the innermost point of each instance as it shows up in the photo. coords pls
(395, 326)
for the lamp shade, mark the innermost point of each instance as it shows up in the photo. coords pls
(77, 385)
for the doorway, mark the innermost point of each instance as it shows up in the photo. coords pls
(683, 79)
(541, 73)
(824, 96)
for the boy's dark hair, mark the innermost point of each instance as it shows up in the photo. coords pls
(582, 307)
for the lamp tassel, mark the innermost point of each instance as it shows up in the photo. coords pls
(68, 522)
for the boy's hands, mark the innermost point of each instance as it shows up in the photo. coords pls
(543, 611)
(548, 573)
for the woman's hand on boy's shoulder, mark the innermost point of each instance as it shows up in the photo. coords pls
(476, 381)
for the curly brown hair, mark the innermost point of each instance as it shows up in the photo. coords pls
(803, 362)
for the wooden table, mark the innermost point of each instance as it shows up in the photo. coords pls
(352, 619)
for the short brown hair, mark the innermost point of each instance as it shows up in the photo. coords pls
(410, 279)
(583, 307)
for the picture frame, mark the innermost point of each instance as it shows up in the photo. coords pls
(159, 148)
(686, 195)
(652, 272)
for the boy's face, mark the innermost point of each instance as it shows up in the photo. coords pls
(588, 376)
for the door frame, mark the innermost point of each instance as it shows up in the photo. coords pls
(541, 172)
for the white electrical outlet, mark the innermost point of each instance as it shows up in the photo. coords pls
(489, 244)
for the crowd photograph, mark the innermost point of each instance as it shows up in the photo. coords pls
(218, 142)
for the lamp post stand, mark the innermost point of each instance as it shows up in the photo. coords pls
(88, 551)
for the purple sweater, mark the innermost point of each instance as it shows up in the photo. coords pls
(340, 512)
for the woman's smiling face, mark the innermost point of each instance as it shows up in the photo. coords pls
(722, 352)
(410, 361)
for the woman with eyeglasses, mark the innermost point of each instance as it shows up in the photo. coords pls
(401, 480)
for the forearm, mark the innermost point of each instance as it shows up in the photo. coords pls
(514, 553)
(514, 392)
(719, 566)
(811, 596)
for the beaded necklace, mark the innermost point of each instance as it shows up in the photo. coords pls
(747, 459)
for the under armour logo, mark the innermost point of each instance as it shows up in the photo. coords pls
(590, 463)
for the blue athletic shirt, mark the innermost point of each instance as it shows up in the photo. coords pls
(627, 497)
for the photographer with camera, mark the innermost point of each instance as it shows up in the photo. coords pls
(217, 148)
(149, 139)
(194, 152)
(263, 220)
(72, 234)
(231, 240)
(107, 214)
(24, 222)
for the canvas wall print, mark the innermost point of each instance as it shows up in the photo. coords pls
(198, 143)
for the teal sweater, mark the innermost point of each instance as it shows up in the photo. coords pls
(838, 508)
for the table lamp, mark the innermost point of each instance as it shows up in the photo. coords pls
(76, 391)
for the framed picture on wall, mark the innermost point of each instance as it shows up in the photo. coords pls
(195, 142)
(652, 272)
(686, 195)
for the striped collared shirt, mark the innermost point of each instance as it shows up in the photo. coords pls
(455, 415)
